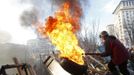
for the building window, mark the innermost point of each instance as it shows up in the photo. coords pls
(126, 13)
(123, 3)
(129, 3)
(130, 12)
(132, 3)
(127, 17)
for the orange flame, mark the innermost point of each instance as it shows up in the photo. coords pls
(61, 31)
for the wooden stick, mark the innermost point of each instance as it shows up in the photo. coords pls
(19, 68)
(92, 54)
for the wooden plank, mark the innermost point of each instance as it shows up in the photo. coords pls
(31, 70)
(20, 71)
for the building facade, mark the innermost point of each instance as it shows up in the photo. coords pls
(111, 29)
(124, 21)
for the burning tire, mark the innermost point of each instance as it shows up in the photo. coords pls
(74, 68)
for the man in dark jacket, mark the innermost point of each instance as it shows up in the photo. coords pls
(118, 53)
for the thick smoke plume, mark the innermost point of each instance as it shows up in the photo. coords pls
(45, 8)
(29, 17)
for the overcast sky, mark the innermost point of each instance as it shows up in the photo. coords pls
(102, 10)
(9, 22)
(10, 11)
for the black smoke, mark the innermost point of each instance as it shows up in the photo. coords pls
(43, 8)
(29, 17)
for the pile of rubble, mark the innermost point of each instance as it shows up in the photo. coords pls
(51, 65)
(98, 65)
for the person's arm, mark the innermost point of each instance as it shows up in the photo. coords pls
(107, 49)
